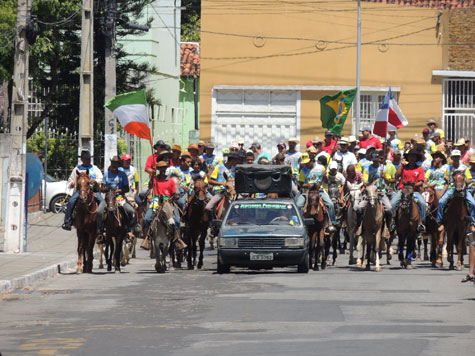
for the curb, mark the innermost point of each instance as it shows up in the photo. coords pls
(7, 286)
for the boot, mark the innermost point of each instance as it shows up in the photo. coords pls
(66, 226)
(179, 243)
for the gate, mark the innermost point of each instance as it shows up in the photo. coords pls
(458, 108)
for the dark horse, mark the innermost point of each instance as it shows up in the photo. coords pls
(314, 209)
(115, 228)
(85, 222)
(197, 226)
(456, 224)
(432, 228)
(407, 219)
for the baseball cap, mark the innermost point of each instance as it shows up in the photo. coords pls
(425, 131)
(366, 128)
(309, 143)
(455, 153)
(305, 158)
(328, 133)
(437, 133)
(255, 144)
(281, 145)
(210, 145)
(362, 151)
(293, 139)
(333, 165)
(126, 157)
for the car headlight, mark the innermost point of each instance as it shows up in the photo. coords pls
(228, 242)
(294, 242)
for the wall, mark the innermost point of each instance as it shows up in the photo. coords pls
(321, 51)
(3, 104)
(461, 29)
(187, 106)
(4, 153)
(160, 47)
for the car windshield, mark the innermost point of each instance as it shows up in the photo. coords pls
(50, 179)
(263, 213)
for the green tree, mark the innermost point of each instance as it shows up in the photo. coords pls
(191, 21)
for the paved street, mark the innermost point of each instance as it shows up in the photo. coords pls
(340, 311)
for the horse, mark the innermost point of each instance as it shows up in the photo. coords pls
(351, 221)
(371, 228)
(407, 219)
(335, 196)
(432, 228)
(196, 224)
(162, 232)
(456, 224)
(85, 222)
(115, 229)
(223, 205)
(315, 209)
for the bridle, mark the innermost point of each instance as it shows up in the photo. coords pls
(86, 195)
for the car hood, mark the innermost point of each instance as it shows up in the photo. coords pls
(265, 230)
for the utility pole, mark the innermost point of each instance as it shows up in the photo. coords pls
(86, 96)
(356, 129)
(110, 122)
(15, 212)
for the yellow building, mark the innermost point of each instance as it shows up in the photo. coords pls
(265, 64)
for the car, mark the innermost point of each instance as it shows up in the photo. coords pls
(56, 194)
(263, 233)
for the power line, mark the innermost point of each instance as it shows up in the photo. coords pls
(60, 22)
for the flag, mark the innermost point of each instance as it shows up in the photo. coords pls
(132, 111)
(335, 108)
(389, 117)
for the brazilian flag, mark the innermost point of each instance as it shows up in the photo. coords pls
(335, 108)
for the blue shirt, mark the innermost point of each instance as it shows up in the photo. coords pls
(90, 168)
(117, 180)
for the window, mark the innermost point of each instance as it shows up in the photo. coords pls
(369, 106)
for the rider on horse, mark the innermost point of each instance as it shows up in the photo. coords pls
(115, 178)
(94, 173)
(413, 174)
(217, 180)
(183, 173)
(454, 167)
(374, 173)
(315, 177)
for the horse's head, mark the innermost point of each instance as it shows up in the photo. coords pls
(429, 195)
(84, 186)
(333, 191)
(111, 200)
(406, 196)
(230, 191)
(200, 189)
(459, 181)
(372, 194)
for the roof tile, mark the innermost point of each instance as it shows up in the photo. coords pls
(434, 4)
(190, 59)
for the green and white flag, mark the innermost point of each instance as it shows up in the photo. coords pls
(132, 111)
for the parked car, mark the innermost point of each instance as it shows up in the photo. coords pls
(56, 194)
(261, 234)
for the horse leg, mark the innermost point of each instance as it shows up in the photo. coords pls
(401, 243)
(369, 249)
(450, 248)
(189, 248)
(359, 251)
(419, 244)
(202, 238)
(440, 244)
(79, 266)
(336, 243)
(460, 248)
(101, 255)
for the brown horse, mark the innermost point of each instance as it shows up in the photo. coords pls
(432, 228)
(115, 228)
(85, 222)
(314, 209)
(197, 224)
(222, 206)
(371, 227)
(456, 224)
(162, 231)
(407, 219)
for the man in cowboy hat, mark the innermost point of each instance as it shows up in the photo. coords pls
(152, 159)
(175, 160)
(94, 173)
(115, 178)
(369, 139)
(344, 157)
(413, 174)
(432, 124)
(292, 157)
(209, 157)
(455, 166)
(435, 175)
(329, 143)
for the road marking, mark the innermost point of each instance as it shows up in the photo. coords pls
(52, 345)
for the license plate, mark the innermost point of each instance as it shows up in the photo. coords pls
(261, 256)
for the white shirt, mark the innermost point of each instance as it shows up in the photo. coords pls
(346, 158)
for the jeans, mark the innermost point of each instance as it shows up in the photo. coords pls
(421, 204)
(446, 197)
(72, 202)
(326, 201)
(182, 201)
(129, 216)
(149, 215)
(213, 201)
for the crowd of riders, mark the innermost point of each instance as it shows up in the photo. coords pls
(429, 159)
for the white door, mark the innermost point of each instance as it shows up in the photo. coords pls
(264, 116)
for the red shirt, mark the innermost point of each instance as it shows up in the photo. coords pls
(411, 176)
(165, 187)
(151, 161)
(329, 148)
(372, 141)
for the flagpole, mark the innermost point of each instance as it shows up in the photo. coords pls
(356, 129)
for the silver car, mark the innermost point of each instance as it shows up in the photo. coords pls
(56, 194)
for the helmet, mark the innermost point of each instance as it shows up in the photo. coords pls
(126, 157)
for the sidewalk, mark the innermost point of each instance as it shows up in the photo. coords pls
(49, 249)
